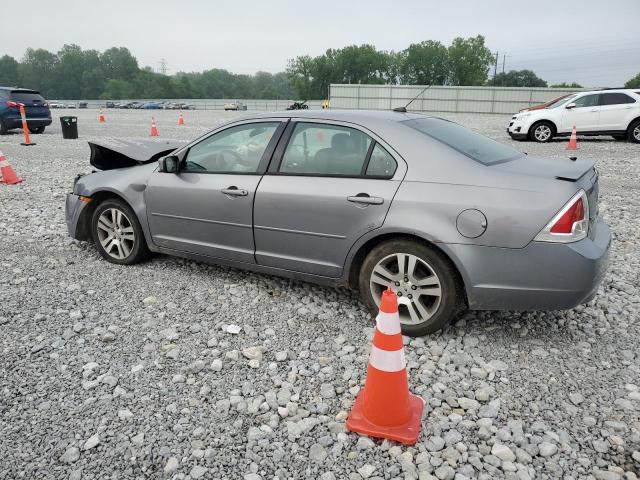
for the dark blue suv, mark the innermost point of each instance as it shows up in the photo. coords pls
(36, 109)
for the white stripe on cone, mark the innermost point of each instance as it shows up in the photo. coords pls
(387, 361)
(388, 323)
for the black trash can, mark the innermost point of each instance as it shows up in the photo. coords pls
(69, 127)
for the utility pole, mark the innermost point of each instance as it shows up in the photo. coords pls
(163, 66)
(495, 69)
(504, 57)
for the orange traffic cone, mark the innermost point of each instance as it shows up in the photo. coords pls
(25, 129)
(9, 177)
(573, 141)
(180, 119)
(385, 408)
(101, 118)
(154, 129)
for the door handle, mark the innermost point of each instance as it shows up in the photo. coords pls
(234, 191)
(365, 199)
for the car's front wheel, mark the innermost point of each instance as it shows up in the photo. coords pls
(117, 233)
(3, 128)
(426, 284)
(541, 132)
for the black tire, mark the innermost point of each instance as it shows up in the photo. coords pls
(542, 126)
(633, 132)
(452, 297)
(138, 252)
(3, 128)
(36, 130)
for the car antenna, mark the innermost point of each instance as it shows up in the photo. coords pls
(404, 109)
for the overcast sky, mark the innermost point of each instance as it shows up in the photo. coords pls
(592, 42)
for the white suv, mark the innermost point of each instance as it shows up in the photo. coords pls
(601, 112)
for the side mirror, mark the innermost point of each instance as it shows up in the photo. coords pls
(168, 164)
(570, 106)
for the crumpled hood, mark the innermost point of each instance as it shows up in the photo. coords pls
(112, 153)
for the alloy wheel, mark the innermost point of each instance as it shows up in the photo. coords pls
(542, 133)
(116, 233)
(636, 133)
(415, 283)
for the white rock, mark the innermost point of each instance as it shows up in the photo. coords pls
(216, 365)
(171, 465)
(547, 449)
(92, 442)
(366, 470)
(233, 329)
(503, 452)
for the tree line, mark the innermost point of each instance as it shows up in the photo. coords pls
(74, 73)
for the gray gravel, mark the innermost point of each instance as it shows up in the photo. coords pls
(175, 369)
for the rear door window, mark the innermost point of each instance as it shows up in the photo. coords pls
(321, 149)
(473, 145)
(615, 99)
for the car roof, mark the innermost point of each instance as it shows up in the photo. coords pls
(609, 90)
(361, 117)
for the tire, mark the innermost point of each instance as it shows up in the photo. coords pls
(542, 132)
(431, 313)
(36, 130)
(633, 133)
(3, 128)
(118, 246)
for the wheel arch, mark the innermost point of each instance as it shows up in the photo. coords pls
(632, 122)
(357, 259)
(543, 120)
(83, 229)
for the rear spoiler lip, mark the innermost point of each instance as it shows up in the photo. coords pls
(110, 153)
(573, 174)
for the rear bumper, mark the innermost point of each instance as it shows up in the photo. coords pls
(541, 276)
(16, 122)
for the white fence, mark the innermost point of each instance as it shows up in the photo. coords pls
(441, 99)
(201, 103)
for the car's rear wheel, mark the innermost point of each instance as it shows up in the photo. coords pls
(3, 128)
(634, 132)
(541, 132)
(36, 130)
(426, 284)
(117, 233)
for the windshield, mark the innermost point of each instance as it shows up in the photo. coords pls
(476, 146)
(561, 101)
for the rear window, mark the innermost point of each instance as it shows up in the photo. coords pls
(473, 145)
(26, 97)
(615, 99)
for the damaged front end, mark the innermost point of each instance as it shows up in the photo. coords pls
(112, 153)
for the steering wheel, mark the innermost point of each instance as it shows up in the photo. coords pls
(224, 164)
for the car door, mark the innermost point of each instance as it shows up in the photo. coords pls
(329, 184)
(207, 207)
(583, 113)
(615, 111)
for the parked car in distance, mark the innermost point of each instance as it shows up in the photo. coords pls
(83, 105)
(235, 105)
(110, 104)
(35, 106)
(614, 112)
(446, 218)
(55, 105)
(70, 105)
(152, 106)
(544, 105)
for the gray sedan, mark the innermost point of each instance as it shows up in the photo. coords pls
(446, 218)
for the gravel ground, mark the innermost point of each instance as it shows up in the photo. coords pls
(175, 369)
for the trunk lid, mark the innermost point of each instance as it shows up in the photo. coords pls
(543, 167)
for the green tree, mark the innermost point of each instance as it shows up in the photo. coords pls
(425, 63)
(117, 90)
(517, 78)
(469, 61)
(299, 70)
(37, 70)
(9, 71)
(118, 63)
(567, 85)
(633, 83)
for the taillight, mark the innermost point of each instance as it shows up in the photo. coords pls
(11, 104)
(570, 224)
